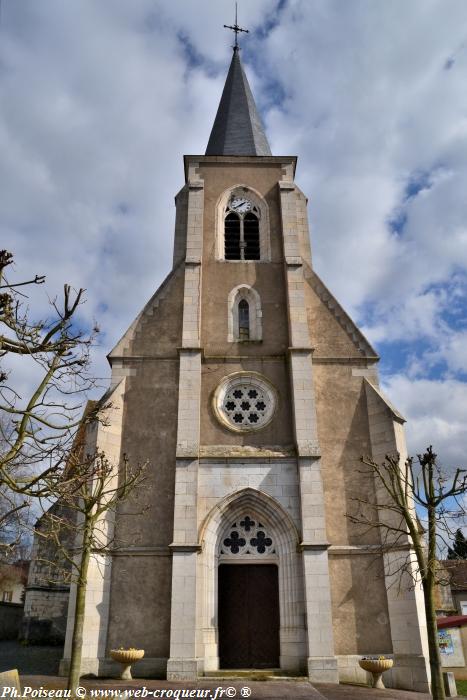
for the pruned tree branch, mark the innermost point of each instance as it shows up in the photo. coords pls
(402, 486)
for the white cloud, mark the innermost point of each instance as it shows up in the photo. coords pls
(100, 101)
(436, 411)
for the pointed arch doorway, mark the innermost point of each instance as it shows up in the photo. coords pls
(252, 618)
(248, 616)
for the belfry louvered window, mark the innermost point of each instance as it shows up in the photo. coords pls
(241, 230)
(232, 237)
(251, 236)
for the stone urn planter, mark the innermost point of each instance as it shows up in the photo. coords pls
(126, 657)
(376, 667)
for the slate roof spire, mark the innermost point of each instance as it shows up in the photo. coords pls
(238, 129)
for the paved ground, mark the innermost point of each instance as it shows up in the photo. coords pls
(29, 659)
(33, 660)
(270, 690)
(354, 692)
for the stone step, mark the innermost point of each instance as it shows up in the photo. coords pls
(254, 674)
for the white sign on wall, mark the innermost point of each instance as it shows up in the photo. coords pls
(450, 646)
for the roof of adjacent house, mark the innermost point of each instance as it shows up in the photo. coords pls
(451, 621)
(457, 569)
(238, 129)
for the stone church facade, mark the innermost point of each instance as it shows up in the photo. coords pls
(252, 395)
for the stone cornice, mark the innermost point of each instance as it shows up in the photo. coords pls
(235, 358)
(346, 549)
(195, 547)
(228, 452)
(360, 361)
(50, 589)
(162, 551)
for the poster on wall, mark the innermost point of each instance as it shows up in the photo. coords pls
(445, 642)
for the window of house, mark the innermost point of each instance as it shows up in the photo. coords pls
(463, 607)
(7, 596)
(241, 230)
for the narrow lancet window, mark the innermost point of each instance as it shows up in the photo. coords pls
(244, 315)
(243, 320)
(232, 237)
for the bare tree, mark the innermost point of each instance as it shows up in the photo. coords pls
(80, 526)
(37, 429)
(14, 510)
(405, 486)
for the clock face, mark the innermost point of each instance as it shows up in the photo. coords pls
(240, 205)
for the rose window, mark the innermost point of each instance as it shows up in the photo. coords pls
(245, 401)
(247, 536)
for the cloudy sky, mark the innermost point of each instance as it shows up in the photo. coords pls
(99, 100)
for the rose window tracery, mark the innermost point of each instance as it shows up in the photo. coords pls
(245, 402)
(247, 536)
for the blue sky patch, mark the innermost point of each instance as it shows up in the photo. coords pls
(193, 58)
(270, 22)
(397, 220)
(123, 208)
(417, 182)
(449, 63)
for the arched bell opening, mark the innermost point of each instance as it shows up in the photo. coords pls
(242, 226)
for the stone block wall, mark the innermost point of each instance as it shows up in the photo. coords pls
(45, 615)
(48, 589)
(10, 620)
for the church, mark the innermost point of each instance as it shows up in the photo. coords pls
(252, 396)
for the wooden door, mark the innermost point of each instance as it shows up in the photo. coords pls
(248, 616)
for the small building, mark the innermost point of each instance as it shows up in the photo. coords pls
(13, 578)
(48, 585)
(444, 601)
(452, 636)
(457, 571)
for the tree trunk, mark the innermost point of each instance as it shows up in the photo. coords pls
(437, 685)
(77, 641)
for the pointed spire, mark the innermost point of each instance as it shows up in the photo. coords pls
(238, 129)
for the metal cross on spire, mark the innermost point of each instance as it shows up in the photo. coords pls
(236, 29)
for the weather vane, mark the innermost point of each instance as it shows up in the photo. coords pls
(236, 29)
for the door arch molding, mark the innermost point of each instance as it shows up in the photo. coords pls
(281, 528)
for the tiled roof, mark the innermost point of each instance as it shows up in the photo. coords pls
(451, 621)
(458, 571)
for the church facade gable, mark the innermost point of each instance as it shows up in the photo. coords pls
(333, 331)
(157, 328)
